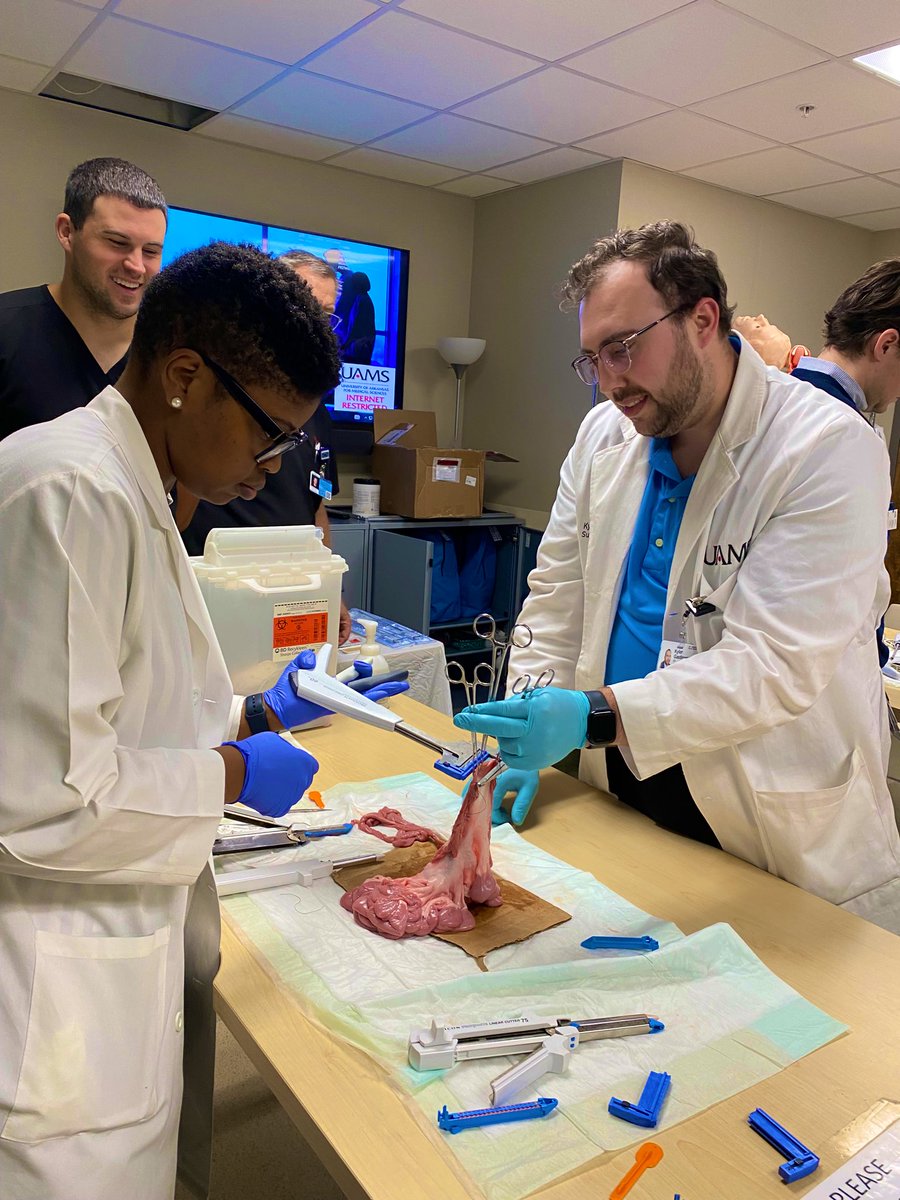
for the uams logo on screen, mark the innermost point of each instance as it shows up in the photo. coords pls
(350, 372)
(364, 388)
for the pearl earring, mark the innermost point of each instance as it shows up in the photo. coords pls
(176, 402)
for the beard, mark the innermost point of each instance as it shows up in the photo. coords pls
(687, 394)
(97, 299)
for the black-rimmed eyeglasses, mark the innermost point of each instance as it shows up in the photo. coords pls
(615, 356)
(281, 441)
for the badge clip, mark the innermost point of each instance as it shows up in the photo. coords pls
(698, 606)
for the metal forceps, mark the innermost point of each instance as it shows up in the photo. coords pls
(485, 627)
(482, 677)
(524, 683)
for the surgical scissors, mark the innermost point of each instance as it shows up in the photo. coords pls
(482, 677)
(485, 627)
(524, 684)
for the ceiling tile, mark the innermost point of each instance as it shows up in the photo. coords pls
(838, 199)
(19, 75)
(547, 28)
(393, 166)
(775, 170)
(698, 51)
(475, 185)
(289, 31)
(835, 25)
(873, 148)
(163, 64)
(843, 97)
(888, 218)
(41, 31)
(419, 61)
(456, 142)
(329, 109)
(675, 140)
(552, 162)
(228, 128)
(560, 106)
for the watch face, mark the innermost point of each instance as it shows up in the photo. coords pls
(601, 722)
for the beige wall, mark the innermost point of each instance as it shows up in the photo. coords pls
(886, 244)
(787, 264)
(41, 140)
(522, 397)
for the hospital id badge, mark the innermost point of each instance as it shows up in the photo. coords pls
(674, 646)
(319, 485)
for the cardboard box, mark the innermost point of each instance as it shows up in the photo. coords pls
(418, 478)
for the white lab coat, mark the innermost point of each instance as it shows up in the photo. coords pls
(779, 721)
(114, 688)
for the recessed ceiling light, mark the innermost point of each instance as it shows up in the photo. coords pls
(885, 63)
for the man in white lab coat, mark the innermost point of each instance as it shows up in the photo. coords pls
(717, 509)
(113, 714)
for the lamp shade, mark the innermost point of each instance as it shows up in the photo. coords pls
(460, 351)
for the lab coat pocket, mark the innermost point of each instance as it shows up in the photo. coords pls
(829, 841)
(93, 1043)
(708, 629)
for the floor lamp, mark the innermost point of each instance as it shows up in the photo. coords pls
(460, 353)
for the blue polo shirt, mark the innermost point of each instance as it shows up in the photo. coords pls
(637, 630)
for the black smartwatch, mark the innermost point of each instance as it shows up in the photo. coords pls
(601, 722)
(255, 712)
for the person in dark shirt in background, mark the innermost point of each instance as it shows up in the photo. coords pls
(288, 498)
(357, 331)
(63, 343)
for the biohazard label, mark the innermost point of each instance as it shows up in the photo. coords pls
(298, 625)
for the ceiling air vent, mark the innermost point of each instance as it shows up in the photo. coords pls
(74, 89)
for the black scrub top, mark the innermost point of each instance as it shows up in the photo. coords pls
(45, 367)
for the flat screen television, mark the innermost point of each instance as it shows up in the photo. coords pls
(370, 378)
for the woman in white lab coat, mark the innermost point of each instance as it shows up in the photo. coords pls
(114, 707)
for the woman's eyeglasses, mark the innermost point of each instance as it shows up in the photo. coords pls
(281, 441)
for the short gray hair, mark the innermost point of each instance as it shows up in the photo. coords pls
(303, 260)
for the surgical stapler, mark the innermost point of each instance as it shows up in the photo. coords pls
(317, 685)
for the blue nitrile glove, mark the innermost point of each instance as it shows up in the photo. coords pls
(379, 691)
(510, 782)
(383, 691)
(534, 729)
(284, 702)
(276, 773)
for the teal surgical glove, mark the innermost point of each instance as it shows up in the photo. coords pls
(521, 784)
(534, 729)
(276, 774)
(284, 702)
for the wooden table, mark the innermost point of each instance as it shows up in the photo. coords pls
(341, 1101)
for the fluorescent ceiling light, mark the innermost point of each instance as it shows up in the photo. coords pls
(885, 63)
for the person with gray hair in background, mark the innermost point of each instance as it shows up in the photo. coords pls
(62, 343)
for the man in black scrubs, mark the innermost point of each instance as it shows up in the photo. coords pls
(288, 497)
(62, 343)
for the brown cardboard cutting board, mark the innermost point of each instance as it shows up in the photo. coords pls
(520, 916)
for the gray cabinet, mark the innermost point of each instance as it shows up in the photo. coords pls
(351, 543)
(400, 564)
